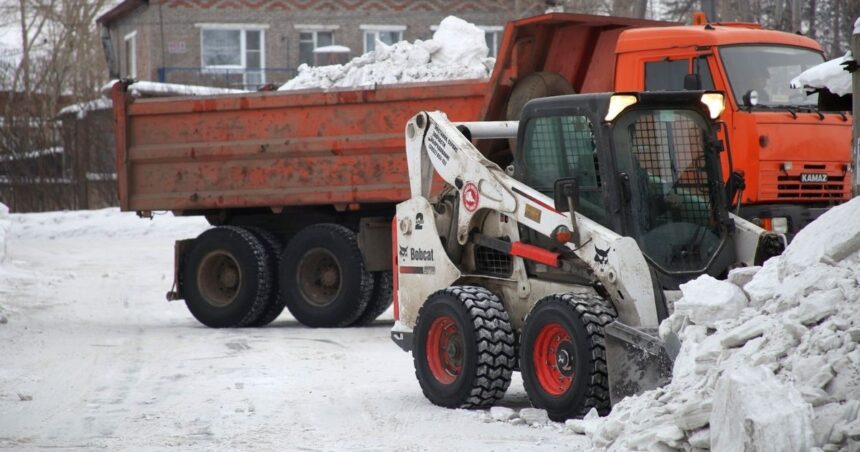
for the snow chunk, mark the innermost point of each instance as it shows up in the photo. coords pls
(831, 238)
(458, 51)
(753, 410)
(534, 416)
(707, 300)
(81, 109)
(155, 89)
(830, 74)
(4, 229)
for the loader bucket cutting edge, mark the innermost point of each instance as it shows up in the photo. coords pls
(637, 360)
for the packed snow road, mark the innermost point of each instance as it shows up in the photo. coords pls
(91, 356)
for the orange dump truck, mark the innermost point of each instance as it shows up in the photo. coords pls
(301, 186)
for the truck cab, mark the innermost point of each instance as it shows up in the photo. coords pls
(790, 157)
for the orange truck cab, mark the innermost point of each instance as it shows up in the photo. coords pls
(789, 159)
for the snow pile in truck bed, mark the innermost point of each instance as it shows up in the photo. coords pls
(457, 51)
(780, 373)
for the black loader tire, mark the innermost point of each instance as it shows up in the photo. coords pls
(380, 301)
(322, 277)
(563, 355)
(463, 348)
(533, 86)
(226, 277)
(276, 304)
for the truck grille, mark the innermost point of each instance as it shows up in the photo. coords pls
(786, 185)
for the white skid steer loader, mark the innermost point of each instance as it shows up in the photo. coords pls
(561, 266)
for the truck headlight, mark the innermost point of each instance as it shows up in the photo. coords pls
(780, 225)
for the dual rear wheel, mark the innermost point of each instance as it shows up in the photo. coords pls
(464, 351)
(236, 276)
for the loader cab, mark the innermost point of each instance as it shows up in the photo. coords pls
(647, 166)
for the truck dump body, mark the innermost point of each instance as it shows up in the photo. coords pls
(277, 149)
(274, 149)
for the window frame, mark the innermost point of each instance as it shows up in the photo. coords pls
(243, 30)
(130, 57)
(376, 29)
(497, 31)
(314, 29)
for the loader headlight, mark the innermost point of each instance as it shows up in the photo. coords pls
(715, 102)
(617, 104)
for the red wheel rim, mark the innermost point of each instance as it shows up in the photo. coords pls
(445, 350)
(554, 359)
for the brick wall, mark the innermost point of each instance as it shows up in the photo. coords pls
(168, 32)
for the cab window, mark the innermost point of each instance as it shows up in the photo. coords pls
(563, 146)
(668, 75)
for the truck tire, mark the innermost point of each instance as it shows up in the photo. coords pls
(322, 277)
(380, 301)
(533, 86)
(276, 303)
(227, 279)
(463, 348)
(563, 356)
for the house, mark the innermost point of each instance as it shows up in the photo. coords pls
(250, 43)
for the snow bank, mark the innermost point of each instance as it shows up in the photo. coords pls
(108, 222)
(769, 361)
(830, 74)
(4, 230)
(457, 51)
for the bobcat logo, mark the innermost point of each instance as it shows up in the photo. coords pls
(419, 221)
(404, 251)
(601, 256)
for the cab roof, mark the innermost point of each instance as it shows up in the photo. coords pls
(652, 38)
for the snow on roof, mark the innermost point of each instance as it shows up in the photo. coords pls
(830, 74)
(82, 108)
(332, 49)
(458, 51)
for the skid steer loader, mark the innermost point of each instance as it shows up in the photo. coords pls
(561, 266)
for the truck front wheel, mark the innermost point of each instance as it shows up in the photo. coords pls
(322, 277)
(563, 358)
(226, 278)
(464, 348)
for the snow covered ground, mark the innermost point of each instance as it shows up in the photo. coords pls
(92, 356)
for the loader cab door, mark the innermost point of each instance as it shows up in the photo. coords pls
(671, 196)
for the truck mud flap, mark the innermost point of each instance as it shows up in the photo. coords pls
(637, 360)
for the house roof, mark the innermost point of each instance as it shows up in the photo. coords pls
(120, 11)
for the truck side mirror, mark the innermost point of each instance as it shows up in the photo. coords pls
(692, 82)
(566, 194)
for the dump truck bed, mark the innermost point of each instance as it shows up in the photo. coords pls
(277, 149)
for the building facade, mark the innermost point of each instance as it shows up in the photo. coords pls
(250, 43)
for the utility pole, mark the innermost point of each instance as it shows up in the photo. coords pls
(855, 141)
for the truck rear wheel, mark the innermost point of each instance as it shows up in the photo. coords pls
(322, 277)
(380, 301)
(562, 355)
(464, 348)
(276, 303)
(227, 280)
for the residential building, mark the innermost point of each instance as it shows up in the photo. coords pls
(250, 43)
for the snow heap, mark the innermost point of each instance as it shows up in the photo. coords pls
(457, 51)
(830, 74)
(4, 229)
(769, 359)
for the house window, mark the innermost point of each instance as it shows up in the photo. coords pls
(131, 55)
(493, 35)
(311, 37)
(235, 49)
(387, 34)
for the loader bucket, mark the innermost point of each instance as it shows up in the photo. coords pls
(637, 360)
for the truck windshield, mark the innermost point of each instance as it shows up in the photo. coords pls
(768, 69)
(664, 155)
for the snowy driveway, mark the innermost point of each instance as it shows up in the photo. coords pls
(93, 357)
